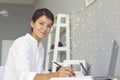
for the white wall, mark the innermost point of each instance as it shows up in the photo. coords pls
(6, 44)
(60, 6)
(16, 24)
(93, 30)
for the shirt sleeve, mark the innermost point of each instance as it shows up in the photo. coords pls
(27, 75)
(21, 57)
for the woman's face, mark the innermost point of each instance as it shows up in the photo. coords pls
(41, 27)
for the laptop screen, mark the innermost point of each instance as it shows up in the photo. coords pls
(113, 60)
(112, 64)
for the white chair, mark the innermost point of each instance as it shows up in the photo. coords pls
(75, 64)
(1, 72)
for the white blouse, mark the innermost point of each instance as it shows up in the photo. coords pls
(25, 59)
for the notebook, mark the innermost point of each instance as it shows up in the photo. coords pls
(73, 78)
(112, 65)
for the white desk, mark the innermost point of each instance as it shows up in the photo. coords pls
(73, 78)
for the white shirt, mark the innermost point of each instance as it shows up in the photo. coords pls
(25, 59)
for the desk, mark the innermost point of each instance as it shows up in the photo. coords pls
(73, 78)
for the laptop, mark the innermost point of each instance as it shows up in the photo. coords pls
(112, 65)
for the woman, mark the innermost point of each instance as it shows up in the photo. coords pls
(26, 55)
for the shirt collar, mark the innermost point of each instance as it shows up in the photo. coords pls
(33, 39)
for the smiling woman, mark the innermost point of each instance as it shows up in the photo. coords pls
(26, 55)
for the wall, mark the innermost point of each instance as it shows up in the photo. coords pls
(16, 24)
(60, 6)
(96, 27)
(93, 30)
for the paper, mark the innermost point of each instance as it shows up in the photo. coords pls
(73, 78)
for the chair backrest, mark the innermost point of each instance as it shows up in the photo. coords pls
(1, 72)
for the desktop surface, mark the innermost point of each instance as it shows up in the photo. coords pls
(83, 78)
(73, 78)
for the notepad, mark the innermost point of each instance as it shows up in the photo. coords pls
(73, 78)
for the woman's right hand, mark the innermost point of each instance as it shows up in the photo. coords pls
(65, 72)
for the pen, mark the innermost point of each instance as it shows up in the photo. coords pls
(61, 66)
(83, 68)
(57, 64)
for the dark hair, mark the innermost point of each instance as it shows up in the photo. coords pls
(40, 12)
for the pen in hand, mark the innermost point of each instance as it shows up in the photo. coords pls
(61, 66)
(57, 64)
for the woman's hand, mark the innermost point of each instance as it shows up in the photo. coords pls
(65, 72)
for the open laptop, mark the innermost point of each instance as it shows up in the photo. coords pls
(112, 65)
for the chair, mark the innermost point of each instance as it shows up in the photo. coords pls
(1, 72)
